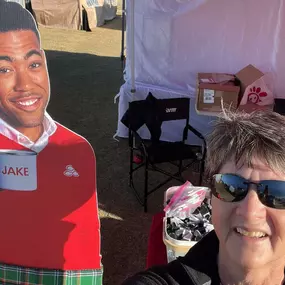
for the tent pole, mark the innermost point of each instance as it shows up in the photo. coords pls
(132, 49)
(123, 31)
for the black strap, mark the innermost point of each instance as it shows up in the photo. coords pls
(184, 275)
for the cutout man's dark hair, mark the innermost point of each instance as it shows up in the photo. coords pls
(13, 17)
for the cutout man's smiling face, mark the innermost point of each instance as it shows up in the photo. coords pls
(24, 82)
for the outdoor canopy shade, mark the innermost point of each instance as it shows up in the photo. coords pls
(169, 41)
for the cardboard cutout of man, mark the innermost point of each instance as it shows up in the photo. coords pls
(50, 230)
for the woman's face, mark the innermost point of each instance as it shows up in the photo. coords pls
(250, 217)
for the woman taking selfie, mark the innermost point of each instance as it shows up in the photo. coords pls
(246, 167)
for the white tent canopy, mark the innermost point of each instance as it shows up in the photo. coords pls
(173, 40)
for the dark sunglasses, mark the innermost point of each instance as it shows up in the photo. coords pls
(233, 188)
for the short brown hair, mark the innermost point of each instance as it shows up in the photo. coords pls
(13, 17)
(240, 136)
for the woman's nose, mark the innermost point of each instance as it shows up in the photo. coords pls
(250, 208)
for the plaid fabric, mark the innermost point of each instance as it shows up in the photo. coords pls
(10, 275)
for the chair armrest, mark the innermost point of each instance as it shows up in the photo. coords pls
(194, 131)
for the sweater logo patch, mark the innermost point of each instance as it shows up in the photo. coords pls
(70, 171)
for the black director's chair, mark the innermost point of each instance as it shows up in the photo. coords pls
(153, 112)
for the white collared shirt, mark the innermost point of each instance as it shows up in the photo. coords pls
(11, 133)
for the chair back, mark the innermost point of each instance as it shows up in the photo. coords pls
(173, 109)
(153, 112)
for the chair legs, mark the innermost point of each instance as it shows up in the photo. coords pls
(177, 176)
(143, 201)
(131, 168)
(145, 187)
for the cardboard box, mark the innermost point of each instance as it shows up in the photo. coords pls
(248, 91)
(256, 90)
(247, 76)
(209, 95)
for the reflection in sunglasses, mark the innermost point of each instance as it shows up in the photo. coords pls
(224, 192)
(279, 202)
(233, 188)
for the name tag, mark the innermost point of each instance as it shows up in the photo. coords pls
(18, 170)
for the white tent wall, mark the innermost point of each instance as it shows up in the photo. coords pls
(176, 39)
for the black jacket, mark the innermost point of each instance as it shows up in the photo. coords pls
(198, 267)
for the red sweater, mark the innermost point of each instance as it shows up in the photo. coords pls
(56, 226)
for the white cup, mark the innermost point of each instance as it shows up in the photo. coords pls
(18, 170)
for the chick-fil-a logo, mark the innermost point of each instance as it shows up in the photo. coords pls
(255, 95)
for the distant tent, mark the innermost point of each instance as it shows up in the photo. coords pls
(73, 14)
(25, 3)
(22, 2)
(53, 13)
(109, 8)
